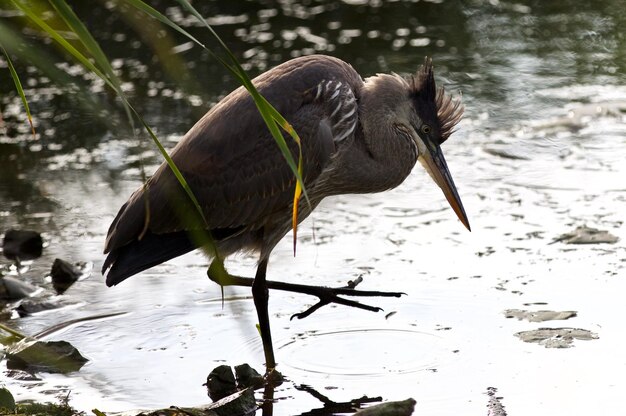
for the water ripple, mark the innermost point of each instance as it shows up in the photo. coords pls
(362, 352)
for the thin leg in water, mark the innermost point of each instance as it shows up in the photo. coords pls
(260, 293)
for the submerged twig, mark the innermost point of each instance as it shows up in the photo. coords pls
(63, 325)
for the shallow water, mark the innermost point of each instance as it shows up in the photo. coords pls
(539, 153)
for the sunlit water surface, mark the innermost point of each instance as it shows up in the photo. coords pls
(539, 153)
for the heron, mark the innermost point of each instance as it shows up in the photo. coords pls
(357, 136)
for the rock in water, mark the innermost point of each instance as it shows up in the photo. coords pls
(14, 289)
(22, 245)
(47, 356)
(63, 275)
(221, 382)
(248, 377)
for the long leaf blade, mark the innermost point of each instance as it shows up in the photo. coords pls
(235, 68)
(20, 89)
(271, 118)
(89, 65)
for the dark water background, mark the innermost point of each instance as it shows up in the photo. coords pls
(540, 151)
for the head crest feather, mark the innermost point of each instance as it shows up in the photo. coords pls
(433, 104)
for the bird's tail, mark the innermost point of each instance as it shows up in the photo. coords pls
(142, 254)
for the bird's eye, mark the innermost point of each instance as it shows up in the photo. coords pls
(426, 128)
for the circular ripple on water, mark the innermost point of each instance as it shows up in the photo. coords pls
(362, 352)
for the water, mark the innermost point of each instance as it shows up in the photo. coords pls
(539, 152)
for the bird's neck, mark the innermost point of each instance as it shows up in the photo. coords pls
(382, 158)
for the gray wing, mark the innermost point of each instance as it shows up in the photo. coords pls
(232, 163)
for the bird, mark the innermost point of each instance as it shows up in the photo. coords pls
(358, 136)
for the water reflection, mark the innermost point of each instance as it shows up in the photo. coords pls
(533, 158)
(331, 407)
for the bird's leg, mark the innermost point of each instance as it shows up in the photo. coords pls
(326, 295)
(260, 293)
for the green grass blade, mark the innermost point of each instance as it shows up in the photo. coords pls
(272, 119)
(85, 61)
(139, 4)
(173, 167)
(106, 73)
(270, 115)
(18, 87)
(103, 70)
(92, 46)
(265, 108)
(197, 232)
(235, 68)
(12, 331)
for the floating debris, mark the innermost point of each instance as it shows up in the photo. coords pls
(556, 337)
(21, 375)
(400, 408)
(21, 245)
(390, 314)
(229, 398)
(586, 235)
(494, 406)
(239, 403)
(539, 316)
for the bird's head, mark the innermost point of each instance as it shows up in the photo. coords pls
(428, 115)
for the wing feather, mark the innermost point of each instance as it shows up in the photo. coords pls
(232, 163)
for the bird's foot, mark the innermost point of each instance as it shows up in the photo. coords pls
(328, 295)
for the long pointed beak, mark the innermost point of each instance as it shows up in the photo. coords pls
(435, 164)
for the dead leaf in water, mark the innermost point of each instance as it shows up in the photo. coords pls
(539, 316)
(556, 337)
(586, 235)
(400, 408)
